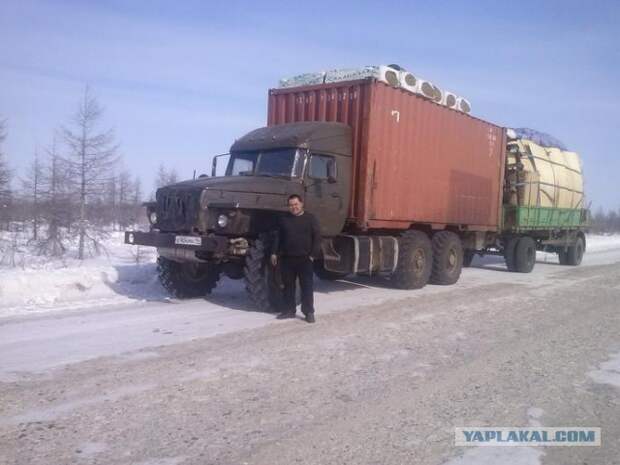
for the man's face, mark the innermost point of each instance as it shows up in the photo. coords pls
(295, 206)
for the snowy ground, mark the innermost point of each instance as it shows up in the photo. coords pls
(38, 284)
(384, 376)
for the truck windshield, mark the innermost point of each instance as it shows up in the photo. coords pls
(278, 162)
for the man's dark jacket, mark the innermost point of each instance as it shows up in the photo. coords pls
(298, 236)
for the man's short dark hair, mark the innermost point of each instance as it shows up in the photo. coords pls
(295, 196)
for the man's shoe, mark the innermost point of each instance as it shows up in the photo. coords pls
(310, 318)
(285, 315)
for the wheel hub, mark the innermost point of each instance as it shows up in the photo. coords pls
(419, 261)
(452, 259)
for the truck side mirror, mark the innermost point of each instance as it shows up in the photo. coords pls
(214, 163)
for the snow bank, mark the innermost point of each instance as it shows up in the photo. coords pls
(596, 242)
(41, 284)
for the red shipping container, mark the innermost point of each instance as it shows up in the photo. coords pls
(414, 161)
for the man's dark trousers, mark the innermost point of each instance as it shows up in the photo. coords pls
(293, 268)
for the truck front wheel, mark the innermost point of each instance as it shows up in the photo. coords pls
(415, 261)
(187, 280)
(447, 258)
(261, 281)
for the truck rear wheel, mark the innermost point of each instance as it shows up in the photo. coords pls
(510, 246)
(572, 255)
(325, 275)
(525, 255)
(261, 281)
(187, 280)
(415, 261)
(447, 258)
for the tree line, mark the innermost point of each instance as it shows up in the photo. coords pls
(75, 189)
(605, 222)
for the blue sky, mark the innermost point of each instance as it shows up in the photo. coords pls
(180, 80)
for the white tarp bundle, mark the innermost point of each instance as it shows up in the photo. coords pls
(544, 176)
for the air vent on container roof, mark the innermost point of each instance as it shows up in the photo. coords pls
(427, 89)
(409, 82)
(449, 99)
(388, 75)
(463, 105)
(410, 79)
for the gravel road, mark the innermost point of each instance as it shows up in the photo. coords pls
(383, 377)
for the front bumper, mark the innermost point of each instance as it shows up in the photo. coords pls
(209, 243)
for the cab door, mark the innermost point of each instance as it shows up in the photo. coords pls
(325, 196)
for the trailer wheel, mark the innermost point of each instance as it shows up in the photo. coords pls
(525, 255)
(261, 281)
(187, 280)
(325, 275)
(563, 256)
(447, 258)
(574, 254)
(509, 253)
(468, 257)
(415, 261)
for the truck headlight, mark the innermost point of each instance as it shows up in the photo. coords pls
(153, 217)
(222, 221)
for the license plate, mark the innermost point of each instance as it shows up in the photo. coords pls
(188, 240)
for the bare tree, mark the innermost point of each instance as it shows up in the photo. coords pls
(5, 181)
(109, 213)
(137, 191)
(32, 190)
(91, 159)
(125, 194)
(137, 210)
(165, 176)
(57, 201)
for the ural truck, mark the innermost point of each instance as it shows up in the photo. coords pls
(403, 187)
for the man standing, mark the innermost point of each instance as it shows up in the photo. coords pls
(297, 243)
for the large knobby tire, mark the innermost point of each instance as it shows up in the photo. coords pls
(574, 254)
(261, 281)
(325, 275)
(447, 258)
(525, 255)
(187, 280)
(415, 261)
(510, 246)
(468, 257)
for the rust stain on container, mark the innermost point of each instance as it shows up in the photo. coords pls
(414, 161)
